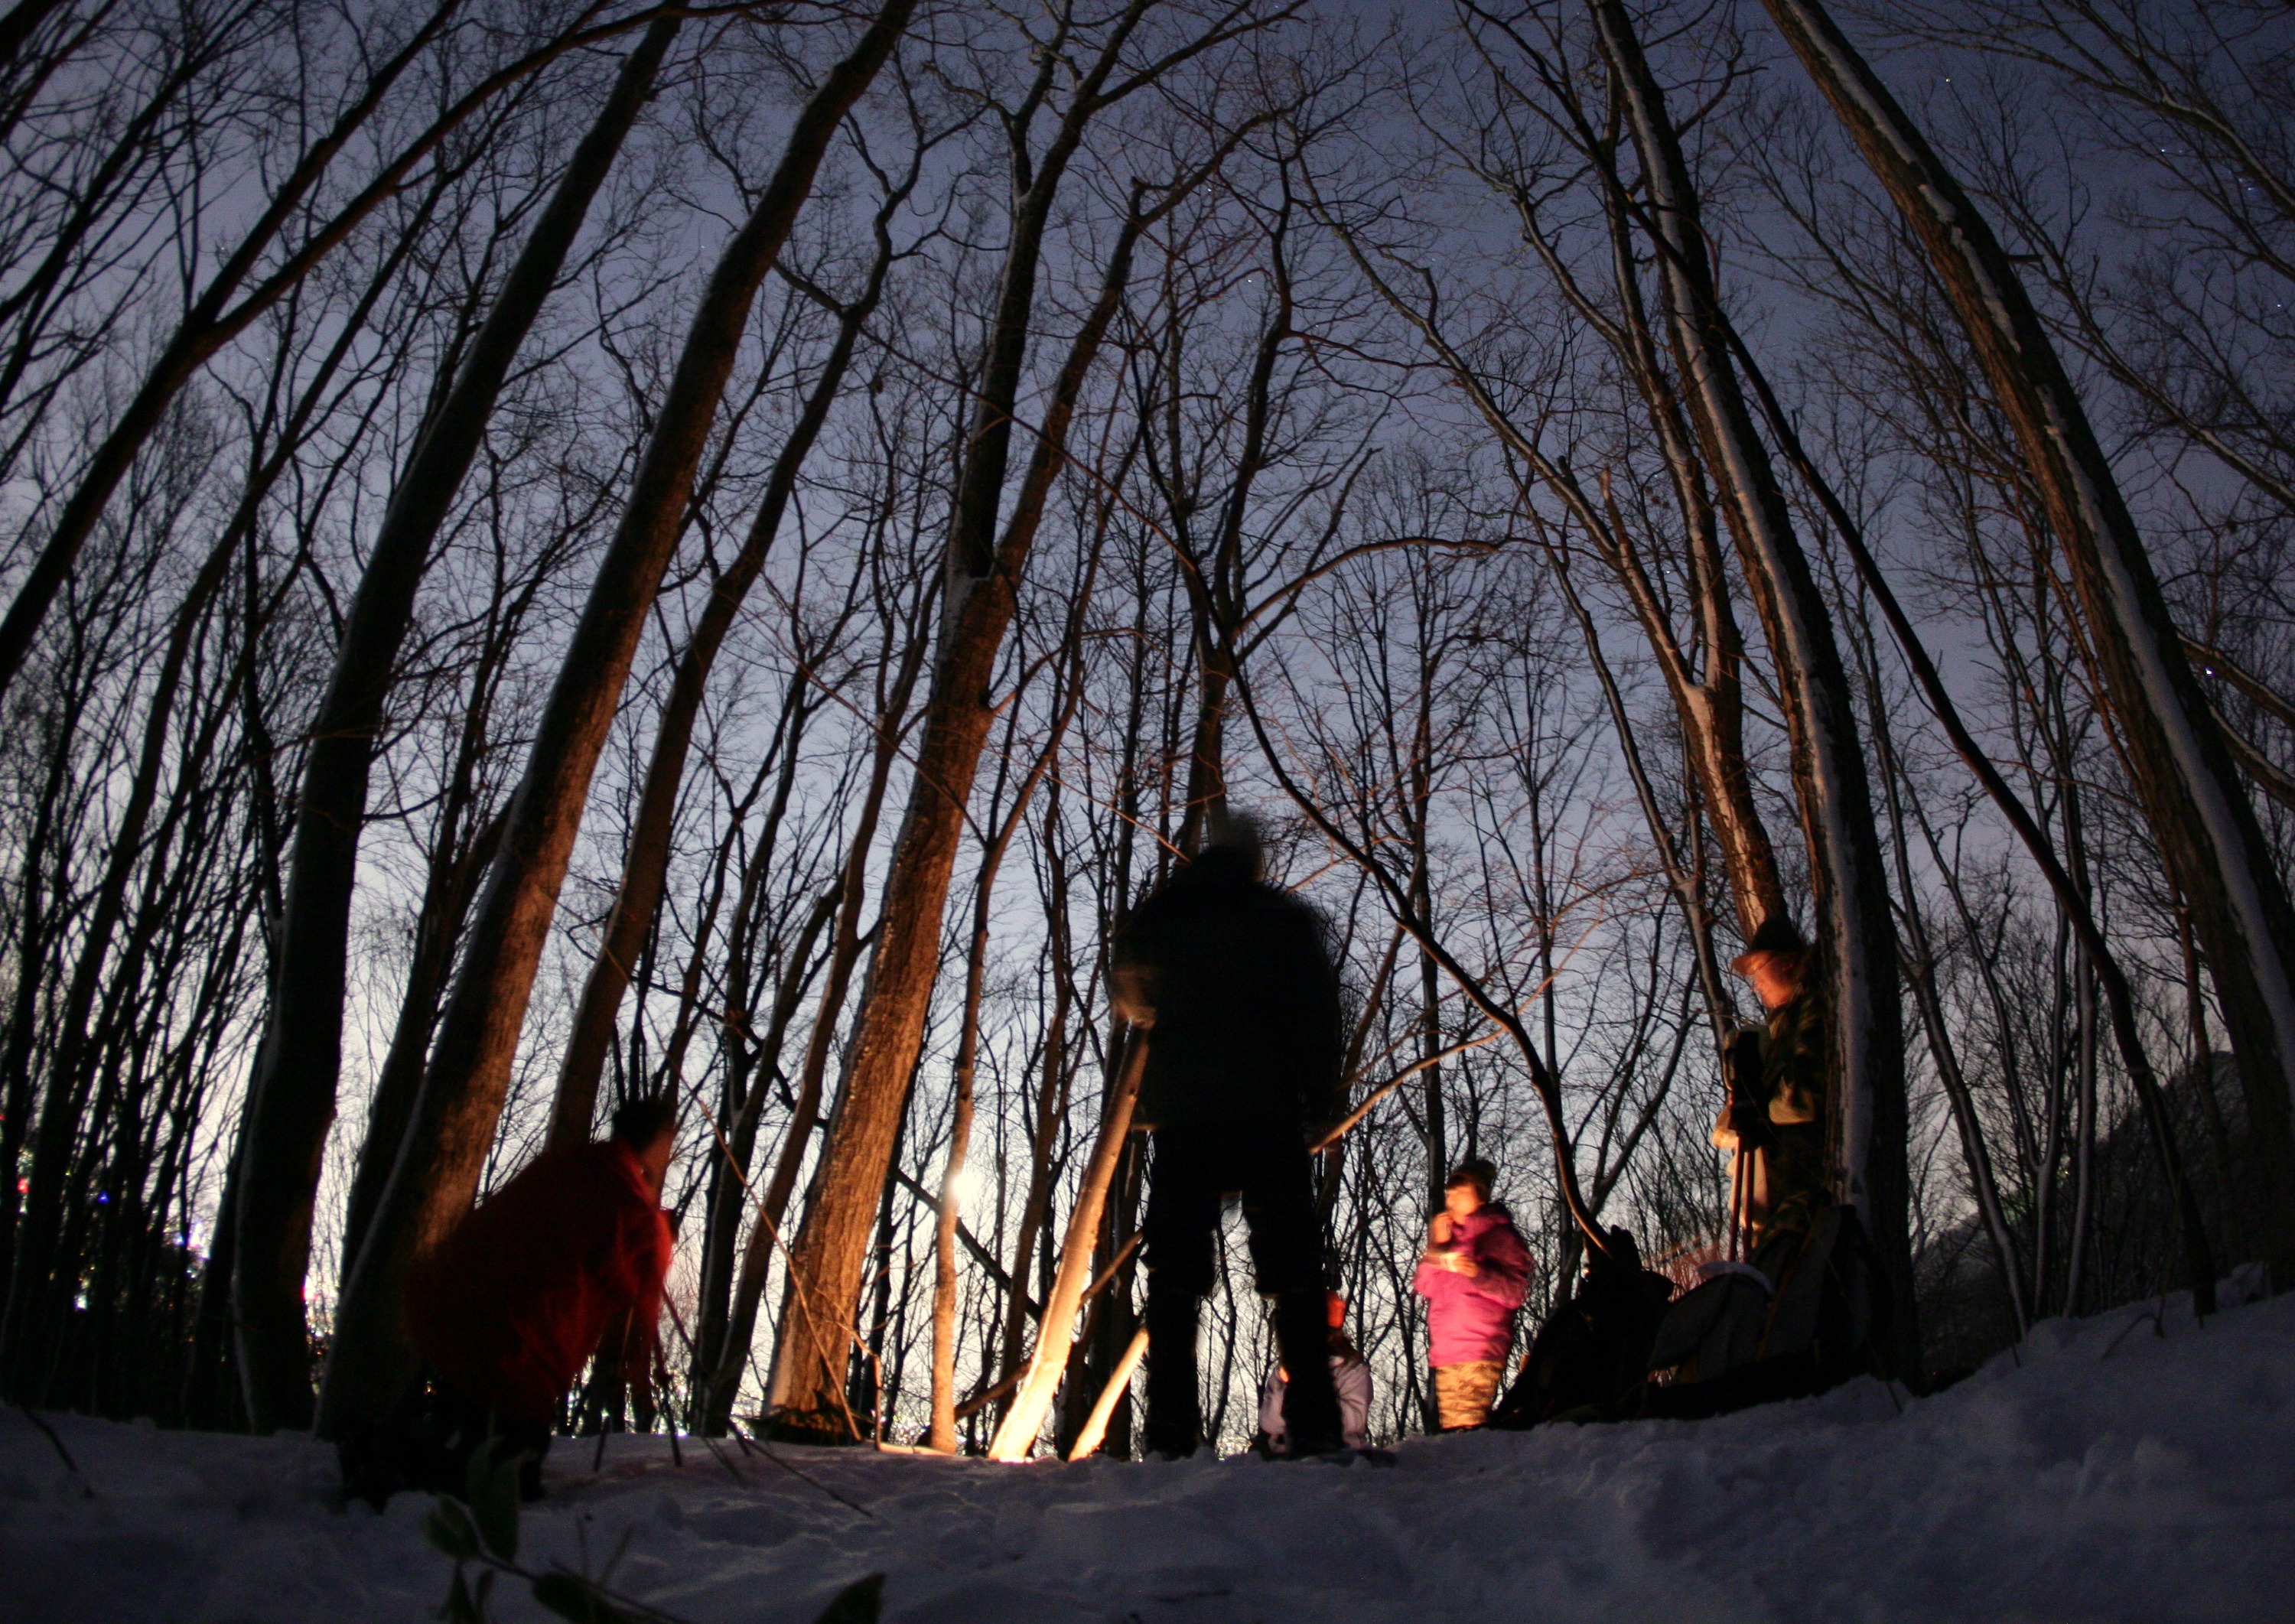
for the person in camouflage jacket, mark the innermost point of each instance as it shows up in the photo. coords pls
(1781, 1091)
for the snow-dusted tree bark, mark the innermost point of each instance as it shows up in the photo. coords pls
(2199, 813)
(1856, 942)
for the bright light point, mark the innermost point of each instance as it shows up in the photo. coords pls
(968, 1183)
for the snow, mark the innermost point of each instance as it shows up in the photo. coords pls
(2133, 1465)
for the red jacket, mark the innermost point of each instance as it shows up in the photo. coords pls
(515, 1300)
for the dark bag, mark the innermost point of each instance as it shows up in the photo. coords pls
(1589, 1356)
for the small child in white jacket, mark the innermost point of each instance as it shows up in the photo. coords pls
(1348, 1374)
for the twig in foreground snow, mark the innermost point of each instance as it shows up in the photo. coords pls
(49, 1432)
(764, 1448)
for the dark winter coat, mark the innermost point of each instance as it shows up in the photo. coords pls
(515, 1300)
(1235, 980)
(1797, 1089)
(1469, 1321)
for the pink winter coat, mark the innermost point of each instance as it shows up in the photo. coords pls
(1469, 1321)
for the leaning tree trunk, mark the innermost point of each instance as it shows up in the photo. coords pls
(647, 867)
(808, 1376)
(461, 1097)
(2205, 827)
(291, 1101)
(1847, 876)
(1016, 1436)
(213, 321)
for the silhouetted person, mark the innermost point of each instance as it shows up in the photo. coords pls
(519, 1297)
(1232, 979)
(1593, 1351)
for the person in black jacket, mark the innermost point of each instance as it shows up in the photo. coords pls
(1232, 981)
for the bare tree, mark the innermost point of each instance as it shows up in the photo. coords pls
(462, 1096)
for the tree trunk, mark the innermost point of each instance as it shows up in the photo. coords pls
(2200, 815)
(291, 1098)
(1055, 1334)
(647, 865)
(772, 1204)
(462, 1096)
(825, 1264)
(1857, 945)
(2072, 905)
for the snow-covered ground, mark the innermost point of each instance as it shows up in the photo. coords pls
(2103, 1470)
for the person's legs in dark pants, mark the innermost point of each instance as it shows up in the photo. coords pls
(462, 1423)
(1286, 1251)
(1183, 1204)
(380, 1458)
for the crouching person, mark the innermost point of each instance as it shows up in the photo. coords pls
(1474, 1276)
(1350, 1374)
(519, 1297)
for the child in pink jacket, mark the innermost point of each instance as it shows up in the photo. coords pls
(1474, 1276)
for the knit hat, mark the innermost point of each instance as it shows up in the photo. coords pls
(1778, 935)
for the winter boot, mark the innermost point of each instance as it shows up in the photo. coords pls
(1174, 1427)
(1310, 1403)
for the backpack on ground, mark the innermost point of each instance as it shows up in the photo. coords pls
(1806, 1315)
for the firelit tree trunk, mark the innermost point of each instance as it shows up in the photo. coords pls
(1016, 1436)
(844, 954)
(647, 865)
(979, 594)
(825, 1264)
(461, 1101)
(943, 1435)
(291, 1098)
(1855, 938)
(2206, 828)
